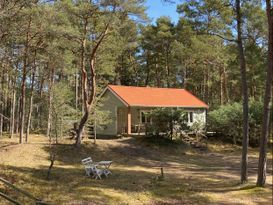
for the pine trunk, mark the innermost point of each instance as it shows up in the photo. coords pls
(30, 105)
(267, 101)
(18, 116)
(221, 75)
(226, 96)
(23, 87)
(83, 89)
(1, 117)
(244, 160)
(13, 108)
(76, 90)
(147, 79)
(49, 116)
(167, 69)
(88, 89)
(22, 106)
(40, 93)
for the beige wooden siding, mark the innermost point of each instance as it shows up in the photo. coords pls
(111, 104)
(122, 117)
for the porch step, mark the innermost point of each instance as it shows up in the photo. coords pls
(90, 131)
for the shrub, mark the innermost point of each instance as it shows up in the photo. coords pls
(228, 120)
(166, 122)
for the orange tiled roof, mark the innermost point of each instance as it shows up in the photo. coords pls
(156, 97)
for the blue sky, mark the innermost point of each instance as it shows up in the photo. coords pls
(156, 9)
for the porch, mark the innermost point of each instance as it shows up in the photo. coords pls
(132, 120)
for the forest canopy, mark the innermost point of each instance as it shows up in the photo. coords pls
(45, 46)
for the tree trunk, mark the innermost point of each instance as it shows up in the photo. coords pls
(87, 102)
(83, 89)
(23, 86)
(13, 108)
(52, 157)
(40, 93)
(221, 75)
(158, 81)
(22, 106)
(49, 116)
(1, 111)
(89, 89)
(147, 79)
(6, 103)
(167, 69)
(76, 90)
(267, 100)
(244, 160)
(18, 115)
(226, 96)
(30, 103)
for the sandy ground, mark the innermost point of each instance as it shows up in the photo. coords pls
(191, 176)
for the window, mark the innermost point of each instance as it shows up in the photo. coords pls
(145, 118)
(190, 117)
(142, 115)
(148, 119)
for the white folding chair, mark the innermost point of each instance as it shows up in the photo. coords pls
(91, 168)
(97, 173)
(88, 164)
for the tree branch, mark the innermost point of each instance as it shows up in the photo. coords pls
(101, 37)
(223, 37)
(4, 116)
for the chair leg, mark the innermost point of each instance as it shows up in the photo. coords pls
(87, 172)
(107, 172)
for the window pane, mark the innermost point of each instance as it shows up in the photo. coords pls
(142, 117)
(191, 116)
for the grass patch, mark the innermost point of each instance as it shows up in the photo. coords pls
(190, 176)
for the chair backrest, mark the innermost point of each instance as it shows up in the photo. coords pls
(87, 161)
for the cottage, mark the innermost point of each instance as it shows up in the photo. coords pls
(127, 106)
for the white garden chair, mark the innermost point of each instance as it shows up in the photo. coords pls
(87, 160)
(91, 168)
(97, 173)
(87, 163)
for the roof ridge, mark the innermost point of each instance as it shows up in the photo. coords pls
(132, 86)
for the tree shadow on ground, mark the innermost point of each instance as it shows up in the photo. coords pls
(135, 170)
(74, 183)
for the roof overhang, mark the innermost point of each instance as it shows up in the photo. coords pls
(116, 95)
(169, 106)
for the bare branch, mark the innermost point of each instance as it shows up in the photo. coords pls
(4, 116)
(223, 37)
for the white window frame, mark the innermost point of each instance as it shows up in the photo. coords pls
(140, 119)
(190, 113)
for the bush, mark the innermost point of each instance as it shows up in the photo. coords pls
(166, 122)
(228, 120)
